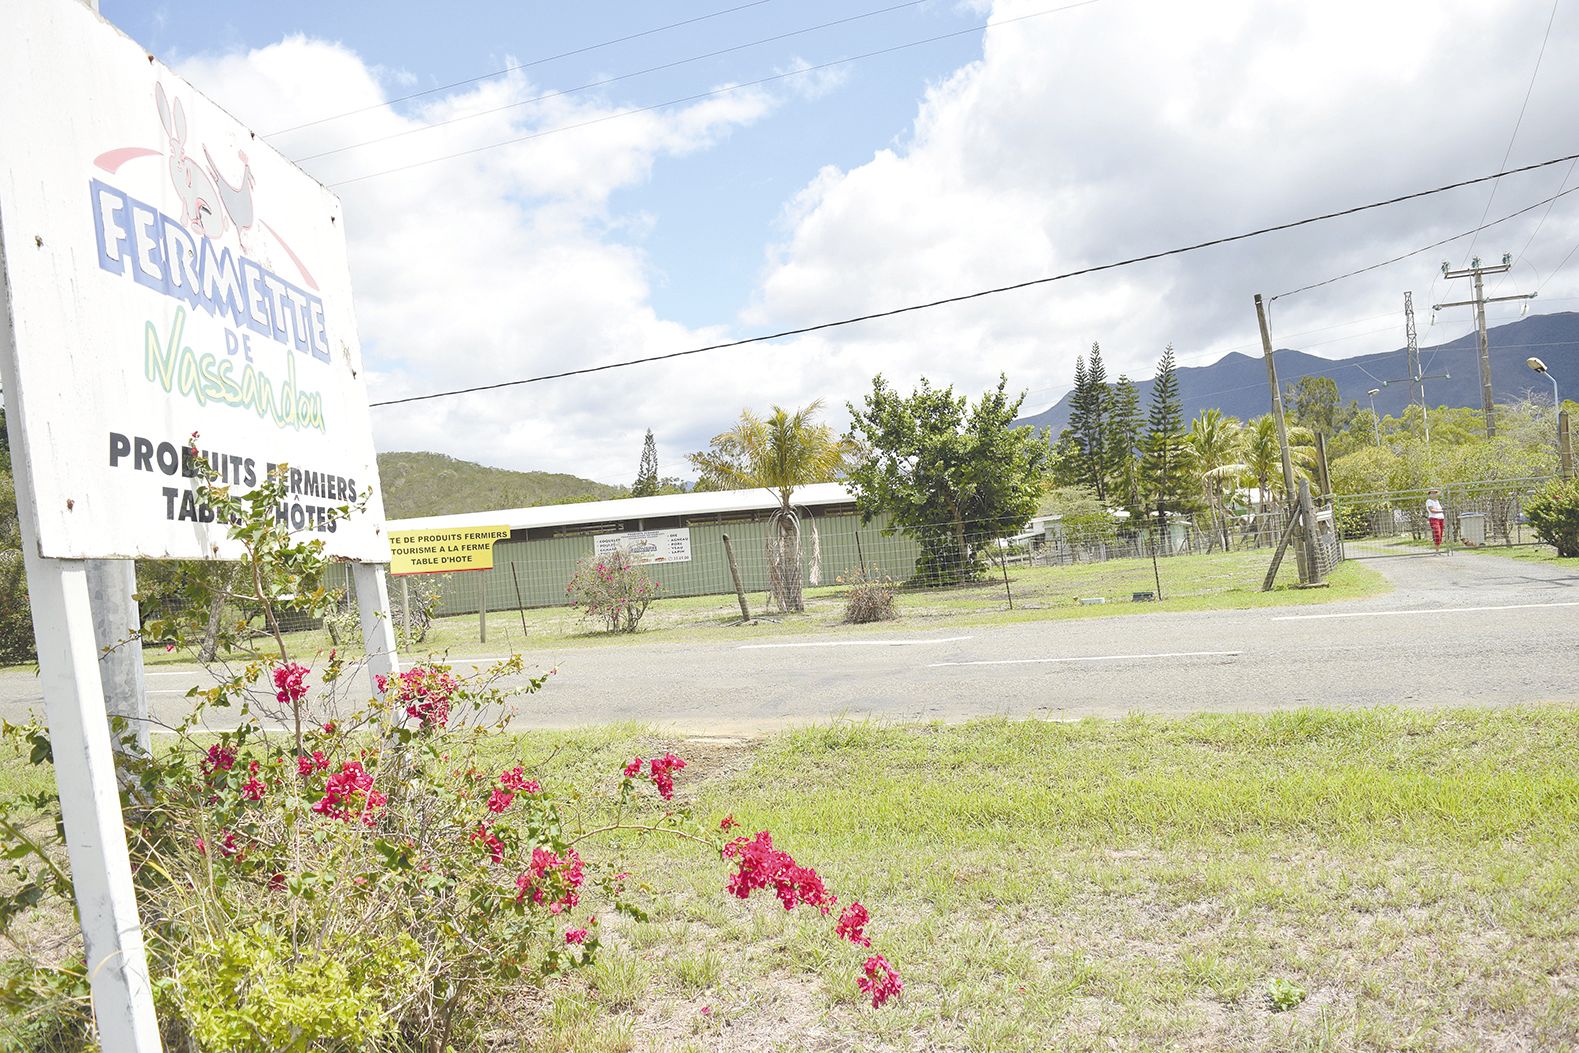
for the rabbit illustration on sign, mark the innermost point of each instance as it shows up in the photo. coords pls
(210, 203)
(201, 209)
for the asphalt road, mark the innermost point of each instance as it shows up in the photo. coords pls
(1462, 629)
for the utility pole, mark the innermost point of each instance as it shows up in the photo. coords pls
(1307, 563)
(1416, 378)
(1476, 271)
(1277, 401)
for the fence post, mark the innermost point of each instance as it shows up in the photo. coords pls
(1003, 564)
(1565, 450)
(1156, 571)
(1307, 511)
(734, 573)
(482, 607)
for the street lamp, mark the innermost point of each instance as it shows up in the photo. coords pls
(1376, 422)
(1557, 406)
(1540, 367)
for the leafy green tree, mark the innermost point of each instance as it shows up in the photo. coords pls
(952, 475)
(780, 453)
(646, 484)
(1315, 403)
(1084, 519)
(1125, 444)
(1166, 467)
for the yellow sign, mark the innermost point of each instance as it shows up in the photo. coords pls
(442, 551)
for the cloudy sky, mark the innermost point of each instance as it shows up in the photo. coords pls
(601, 209)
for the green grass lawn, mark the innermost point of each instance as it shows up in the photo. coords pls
(1136, 884)
(1209, 582)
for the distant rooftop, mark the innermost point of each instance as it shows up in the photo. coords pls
(625, 509)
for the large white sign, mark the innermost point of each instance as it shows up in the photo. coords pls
(168, 274)
(648, 546)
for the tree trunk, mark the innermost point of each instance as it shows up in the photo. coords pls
(220, 585)
(789, 565)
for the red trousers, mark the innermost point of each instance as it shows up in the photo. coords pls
(1436, 530)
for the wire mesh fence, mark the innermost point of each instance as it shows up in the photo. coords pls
(809, 568)
(1395, 523)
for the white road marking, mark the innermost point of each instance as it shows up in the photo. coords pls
(1423, 610)
(1094, 658)
(854, 643)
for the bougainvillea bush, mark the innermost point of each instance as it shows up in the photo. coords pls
(353, 865)
(614, 589)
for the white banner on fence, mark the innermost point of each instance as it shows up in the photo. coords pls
(648, 546)
(169, 274)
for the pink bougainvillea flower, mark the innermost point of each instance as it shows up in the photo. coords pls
(852, 925)
(633, 769)
(289, 683)
(552, 881)
(349, 794)
(663, 769)
(515, 779)
(880, 981)
(727, 822)
(202, 845)
(276, 883)
(229, 846)
(761, 866)
(499, 800)
(220, 758)
(486, 839)
(425, 691)
(328, 728)
(306, 765)
(575, 936)
(254, 789)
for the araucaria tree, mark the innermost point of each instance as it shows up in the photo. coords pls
(1166, 463)
(646, 483)
(953, 476)
(1125, 443)
(784, 451)
(1089, 421)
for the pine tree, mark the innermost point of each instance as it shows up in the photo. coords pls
(646, 483)
(1126, 438)
(1166, 467)
(1088, 419)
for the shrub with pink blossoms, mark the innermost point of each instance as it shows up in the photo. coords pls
(615, 589)
(368, 859)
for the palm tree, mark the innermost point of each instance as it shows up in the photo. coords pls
(1214, 444)
(779, 453)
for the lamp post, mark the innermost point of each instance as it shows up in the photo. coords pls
(1376, 422)
(1540, 367)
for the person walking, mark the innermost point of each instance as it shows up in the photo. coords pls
(1436, 516)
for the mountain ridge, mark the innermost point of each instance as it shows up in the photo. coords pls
(1236, 383)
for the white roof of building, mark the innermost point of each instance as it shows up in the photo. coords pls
(630, 508)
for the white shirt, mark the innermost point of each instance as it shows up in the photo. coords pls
(1433, 509)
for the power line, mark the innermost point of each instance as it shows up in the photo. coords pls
(610, 80)
(1517, 123)
(520, 66)
(1434, 245)
(986, 292)
(727, 89)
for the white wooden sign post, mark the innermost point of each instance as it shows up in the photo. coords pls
(165, 278)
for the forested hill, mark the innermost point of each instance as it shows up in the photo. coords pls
(431, 484)
(1236, 383)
